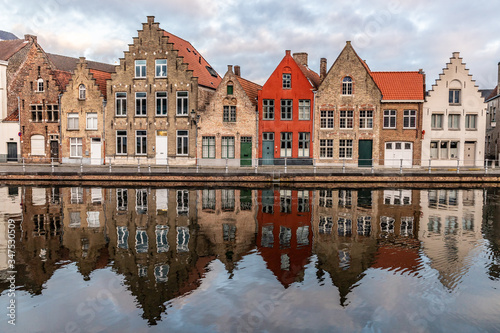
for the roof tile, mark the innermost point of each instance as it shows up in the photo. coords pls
(14, 116)
(250, 89)
(407, 86)
(9, 47)
(100, 78)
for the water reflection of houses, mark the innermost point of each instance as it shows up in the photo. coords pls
(451, 229)
(284, 235)
(11, 209)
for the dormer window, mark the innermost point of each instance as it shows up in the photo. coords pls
(81, 92)
(347, 86)
(230, 88)
(39, 85)
(287, 81)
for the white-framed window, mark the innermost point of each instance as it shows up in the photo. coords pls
(121, 103)
(287, 81)
(73, 121)
(227, 200)
(161, 67)
(389, 118)
(471, 121)
(387, 224)
(121, 199)
(141, 141)
(75, 220)
(454, 121)
(39, 85)
(437, 121)
(285, 201)
(141, 246)
(444, 149)
(93, 219)
(286, 109)
(304, 139)
(268, 109)
(182, 143)
(121, 142)
(410, 119)
(140, 68)
(161, 233)
(82, 92)
(182, 239)
(227, 148)
(182, 103)
(326, 148)
(347, 85)
(346, 119)
(326, 198)
(208, 200)
(161, 103)
(344, 226)
(345, 198)
(364, 225)
(208, 147)
(325, 224)
(92, 120)
(406, 229)
(286, 144)
(345, 148)
(75, 145)
(229, 113)
(304, 109)
(122, 239)
(37, 145)
(141, 201)
(366, 119)
(302, 201)
(182, 202)
(454, 96)
(140, 104)
(326, 119)
(76, 195)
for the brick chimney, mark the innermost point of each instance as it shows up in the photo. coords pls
(30, 38)
(230, 68)
(322, 69)
(300, 58)
(287, 52)
(237, 71)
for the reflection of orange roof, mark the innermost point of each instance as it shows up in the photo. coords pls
(14, 116)
(62, 78)
(397, 258)
(100, 78)
(206, 75)
(195, 275)
(407, 86)
(250, 89)
(9, 47)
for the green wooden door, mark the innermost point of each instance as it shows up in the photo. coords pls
(246, 151)
(268, 148)
(365, 153)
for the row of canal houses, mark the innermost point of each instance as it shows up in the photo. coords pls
(164, 104)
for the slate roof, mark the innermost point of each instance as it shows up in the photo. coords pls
(68, 64)
(100, 78)
(493, 94)
(5, 35)
(9, 47)
(200, 67)
(404, 86)
(250, 89)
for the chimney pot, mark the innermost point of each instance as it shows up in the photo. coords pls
(237, 71)
(30, 38)
(322, 69)
(287, 52)
(230, 68)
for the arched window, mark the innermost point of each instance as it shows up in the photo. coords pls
(454, 97)
(39, 85)
(347, 86)
(81, 91)
(230, 88)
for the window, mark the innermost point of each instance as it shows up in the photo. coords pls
(286, 144)
(182, 103)
(345, 198)
(285, 201)
(52, 113)
(302, 201)
(140, 68)
(182, 202)
(81, 92)
(286, 109)
(287, 80)
(471, 121)
(161, 103)
(73, 121)
(389, 118)
(182, 239)
(121, 142)
(228, 147)
(345, 149)
(437, 121)
(208, 200)
(344, 226)
(366, 119)
(92, 120)
(346, 119)
(36, 113)
(326, 198)
(325, 224)
(208, 143)
(444, 150)
(161, 67)
(182, 143)
(39, 85)
(75, 145)
(326, 148)
(364, 225)
(454, 121)
(37, 145)
(454, 96)
(304, 109)
(409, 118)
(140, 142)
(140, 104)
(268, 136)
(434, 149)
(121, 103)
(121, 199)
(268, 113)
(229, 88)
(229, 114)
(227, 197)
(347, 86)
(304, 144)
(228, 232)
(141, 201)
(326, 119)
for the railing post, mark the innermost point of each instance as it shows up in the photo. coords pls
(373, 170)
(314, 165)
(343, 166)
(400, 166)
(24, 166)
(138, 165)
(197, 166)
(458, 165)
(429, 165)
(81, 165)
(486, 168)
(285, 164)
(110, 167)
(168, 166)
(256, 164)
(52, 164)
(226, 165)
(149, 167)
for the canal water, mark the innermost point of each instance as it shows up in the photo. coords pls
(90, 259)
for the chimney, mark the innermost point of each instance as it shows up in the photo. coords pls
(287, 52)
(237, 71)
(322, 69)
(300, 58)
(30, 38)
(229, 68)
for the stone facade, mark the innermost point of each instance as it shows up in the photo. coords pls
(9, 126)
(337, 113)
(219, 129)
(454, 119)
(82, 118)
(492, 130)
(153, 100)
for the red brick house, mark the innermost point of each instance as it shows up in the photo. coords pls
(285, 112)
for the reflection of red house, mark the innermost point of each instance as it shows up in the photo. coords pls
(285, 111)
(401, 259)
(284, 237)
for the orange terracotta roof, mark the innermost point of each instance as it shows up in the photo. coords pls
(100, 78)
(250, 89)
(206, 75)
(14, 116)
(9, 47)
(62, 78)
(405, 86)
(311, 75)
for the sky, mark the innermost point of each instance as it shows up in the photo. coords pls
(391, 35)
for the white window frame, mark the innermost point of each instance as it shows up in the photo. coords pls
(91, 121)
(141, 108)
(82, 92)
(75, 147)
(121, 104)
(184, 143)
(366, 119)
(39, 85)
(73, 121)
(390, 119)
(347, 86)
(327, 118)
(229, 113)
(161, 103)
(182, 109)
(326, 148)
(161, 68)
(140, 68)
(287, 80)
(409, 116)
(345, 149)
(304, 109)
(346, 118)
(141, 142)
(121, 143)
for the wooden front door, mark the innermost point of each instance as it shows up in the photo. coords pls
(246, 151)
(11, 151)
(54, 150)
(469, 153)
(365, 153)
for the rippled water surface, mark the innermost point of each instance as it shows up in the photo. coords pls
(91, 259)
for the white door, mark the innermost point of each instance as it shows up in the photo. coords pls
(161, 147)
(397, 151)
(95, 151)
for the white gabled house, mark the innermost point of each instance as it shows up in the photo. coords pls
(454, 119)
